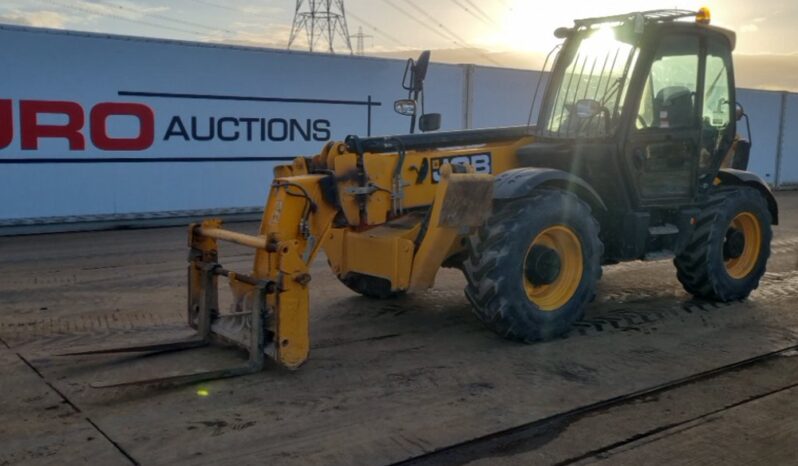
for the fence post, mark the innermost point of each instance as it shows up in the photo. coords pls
(780, 141)
(468, 96)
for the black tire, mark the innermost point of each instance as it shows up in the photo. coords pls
(702, 268)
(369, 286)
(497, 264)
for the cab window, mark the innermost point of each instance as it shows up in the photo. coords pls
(718, 107)
(669, 95)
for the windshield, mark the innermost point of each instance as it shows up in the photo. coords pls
(592, 86)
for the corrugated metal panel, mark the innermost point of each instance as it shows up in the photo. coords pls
(502, 96)
(788, 170)
(763, 108)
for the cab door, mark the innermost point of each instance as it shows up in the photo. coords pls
(718, 125)
(663, 146)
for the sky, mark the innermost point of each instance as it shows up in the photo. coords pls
(496, 31)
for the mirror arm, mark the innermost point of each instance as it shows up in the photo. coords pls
(748, 129)
(739, 114)
(409, 66)
(414, 117)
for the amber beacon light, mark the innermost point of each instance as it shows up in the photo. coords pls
(703, 16)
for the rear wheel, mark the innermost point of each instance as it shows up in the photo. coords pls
(729, 249)
(534, 266)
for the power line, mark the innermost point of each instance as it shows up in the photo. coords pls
(220, 6)
(435, 21)
(104, 7)
(422, 23)
(119, 17)
(463, 42)
(425, 25)
(162, 17)
(473, 14)
(377, 30)
(468, 10)
(480, 11)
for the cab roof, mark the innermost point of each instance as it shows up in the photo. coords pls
(650, 16)
(641, 19)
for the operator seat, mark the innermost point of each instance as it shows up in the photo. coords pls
(673, 107)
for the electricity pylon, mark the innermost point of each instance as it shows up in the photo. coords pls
(323, 21)
(360, 41)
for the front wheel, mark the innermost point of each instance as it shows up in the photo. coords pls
(729, 248)
(534, 266)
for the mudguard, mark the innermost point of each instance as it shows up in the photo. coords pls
(520, 182)
(730, 176)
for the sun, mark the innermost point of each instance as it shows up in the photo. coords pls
(522, 29)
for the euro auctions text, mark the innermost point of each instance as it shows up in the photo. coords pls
(80, 126)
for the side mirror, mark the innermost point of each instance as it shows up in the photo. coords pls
(420, 70)
(587, 108)
(562, 32)
(429, 122)
(405, 107)
(739, 111)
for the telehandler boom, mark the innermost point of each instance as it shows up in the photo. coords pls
(635, 155)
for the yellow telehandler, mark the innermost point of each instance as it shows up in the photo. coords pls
(635, 155)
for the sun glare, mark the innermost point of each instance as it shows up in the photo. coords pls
(524, 29)
(600, 41)
(527, 26)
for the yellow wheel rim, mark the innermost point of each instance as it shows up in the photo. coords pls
(561, 286)
(739, 266)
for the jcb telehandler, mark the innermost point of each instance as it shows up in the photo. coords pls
(635, 155)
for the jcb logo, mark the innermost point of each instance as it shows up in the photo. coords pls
(481, 163)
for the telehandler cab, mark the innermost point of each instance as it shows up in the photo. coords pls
(634, 156)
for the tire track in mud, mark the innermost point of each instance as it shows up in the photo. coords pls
(627, 310)
(647, 309)
(75, 328)
(78, 278)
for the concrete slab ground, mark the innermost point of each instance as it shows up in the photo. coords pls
(649, 375)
